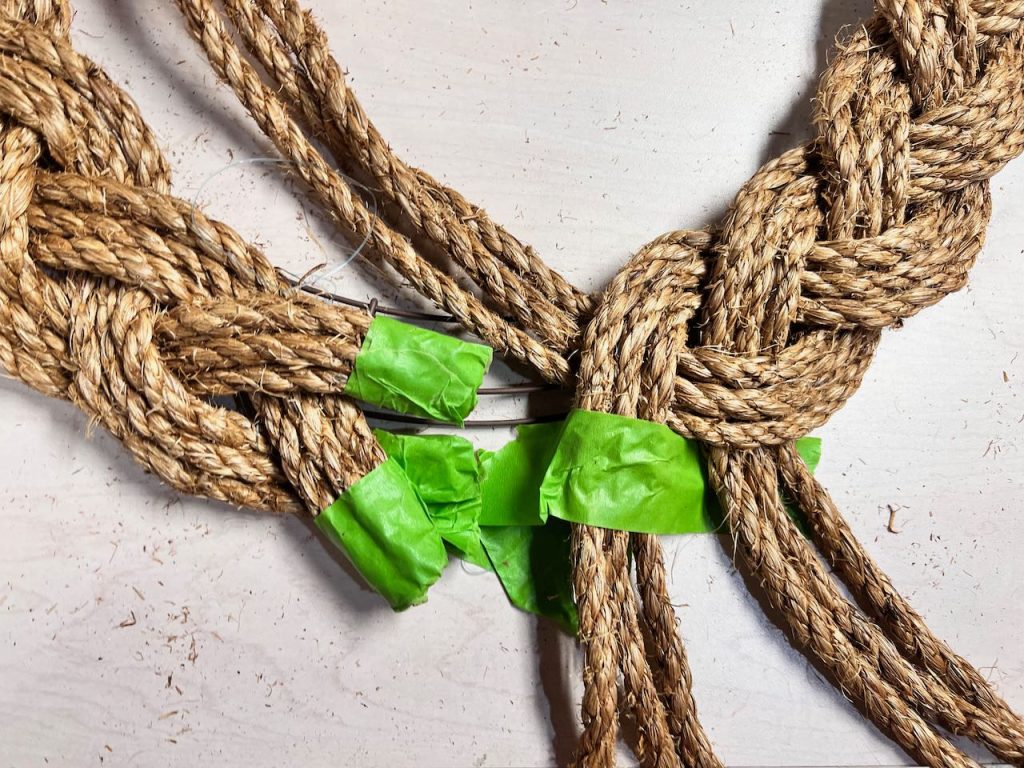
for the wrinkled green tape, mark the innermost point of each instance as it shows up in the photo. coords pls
(509, 510)
(416, 371)
(457, 484)
(513, 475)
(382, 526)
(445, 473)
(627, 474)
(531, 555)
(534, 566)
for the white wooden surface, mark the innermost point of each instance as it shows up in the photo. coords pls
(141, 628)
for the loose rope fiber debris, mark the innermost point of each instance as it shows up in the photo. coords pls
(744, 336)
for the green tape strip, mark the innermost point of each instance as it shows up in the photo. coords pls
(512, 476)
(383, 527)
(531, 560)
(627, 474)
(445, 473)
(632, 475)
(492, 508)
(412, 370)
(533, 564)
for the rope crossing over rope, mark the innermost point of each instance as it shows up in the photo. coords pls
(745, 336)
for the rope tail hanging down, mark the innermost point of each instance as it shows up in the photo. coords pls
(123, 299)
(878, 217)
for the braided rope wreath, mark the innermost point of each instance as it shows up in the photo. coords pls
(746, 336)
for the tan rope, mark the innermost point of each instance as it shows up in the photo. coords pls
(712, 402)
(892, 184)
(108, 287)
(119, 297)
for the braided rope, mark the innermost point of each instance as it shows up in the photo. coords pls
(127, 302)
(119, 297)
(894, 184)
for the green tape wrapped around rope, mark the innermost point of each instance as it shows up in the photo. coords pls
(628, 474)
(412, 370)
(383, 527)
(509, 510)
(446, 475)
(455, 483)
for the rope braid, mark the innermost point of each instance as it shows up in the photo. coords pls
(126, 301)
(879, 217)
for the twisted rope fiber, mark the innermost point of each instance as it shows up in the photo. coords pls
(894, 185)
(125, 301)
(113, 298)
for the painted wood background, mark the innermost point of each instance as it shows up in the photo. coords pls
(141, 628)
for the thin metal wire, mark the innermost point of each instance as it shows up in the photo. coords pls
(518, 389)
(401, 418)
(381, 309)
(375, 307)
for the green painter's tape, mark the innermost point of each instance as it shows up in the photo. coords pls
(627, 474)
(513, 474)
(445, 473)
(412, 370)
(381, 524)
(507, 510)
(531, 560)
(533, 564)
(632, 475)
